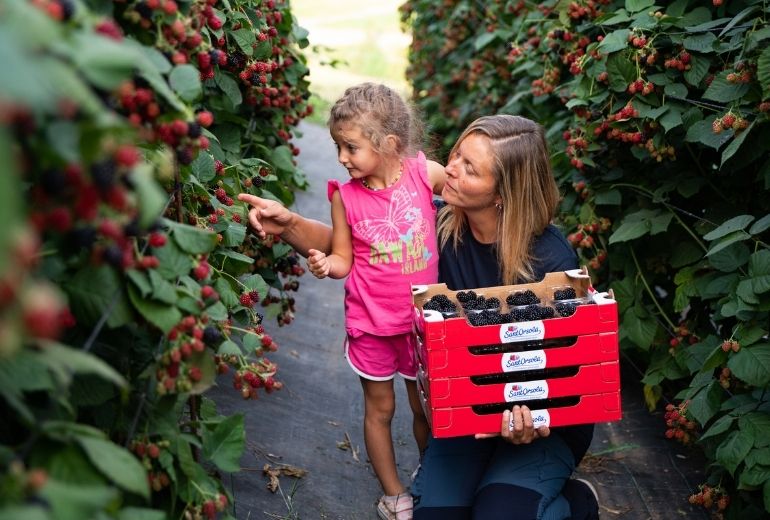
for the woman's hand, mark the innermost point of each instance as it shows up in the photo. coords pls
(517, 427)
(318, 263)
(267, 217)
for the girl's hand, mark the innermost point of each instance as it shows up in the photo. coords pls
(318, 263)
(517, 427)
(267, 217)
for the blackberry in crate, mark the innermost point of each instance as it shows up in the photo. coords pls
(465, 296)
(485, 317)
(441, 303)
(565, 309)
(527, 297)
(565, 294)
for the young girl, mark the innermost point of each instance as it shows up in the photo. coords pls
(384, 239)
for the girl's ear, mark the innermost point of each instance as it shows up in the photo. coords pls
(392, 143)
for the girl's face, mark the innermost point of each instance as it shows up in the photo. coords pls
(355, 151)
(470, 182)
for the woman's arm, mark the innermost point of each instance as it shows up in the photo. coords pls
(436, 177)
(268, 217)
(338, 263)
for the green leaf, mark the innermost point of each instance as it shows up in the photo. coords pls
(614, 41)
(150, 197)
(676, 90)
(621, 72)
(757, 424)
(96, 290)
(16, 512)
(629, 231)
(65, 361)
(723, 91)
(117, 464)
(671, 119)
(233, 235)
(640, 330)
(634, 6)
(721, 425)
(483, 40)
(732, 238)
(140, 280)
(256, 283)
(245, 40)
(705, 404)
(173, 261)
(162, 290)
(760, 225)
(730, 258)
(753, 476)
(701, 132)
(105, 62)
(763, 70)
(238, 257)
(217, 311)
(229, 86)
(229, 347)
(752, 364)
(729, 226)
(699, 68)
(736, 143)
(610, 197)
(226, 293)
(619, 16)
(193, 240)
(140, 513)
(163, 316)
(733, 450)
(203, 167)
(759, 271)
(766, 495)
(225, 444)
(185, 80)
(703, 42)
(282, 158)
(76, 501)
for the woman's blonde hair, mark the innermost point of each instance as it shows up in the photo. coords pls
(379, 111)
(524, 181)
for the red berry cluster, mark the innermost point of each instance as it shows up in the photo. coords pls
(681, 336)
(547, 83)
(208, 508)
(729, 121)
(711, 496)
(579, 10)
(148, 452)
(638, 40)
(177, 371)
(680, 62)
(680, 428)
(248, 378)
(640, 86)
(730, 345)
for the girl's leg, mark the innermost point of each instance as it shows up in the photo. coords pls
(379, 407)
(420, 427)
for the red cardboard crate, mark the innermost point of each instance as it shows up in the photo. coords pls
(439, 332)
(462, 391)
(463, 420)
(455, 362)
(450, 351)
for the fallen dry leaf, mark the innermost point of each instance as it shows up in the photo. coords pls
(294, 353)
(273, 473)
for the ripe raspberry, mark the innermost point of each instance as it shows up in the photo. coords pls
(205, 118)
(179, 127)
(201, 271)
(727, 121)
(207, 292)
(153, 451)
(195, 374)
(157, 240)
(254, 295)
(246, 300)
(221, 195)
(127, 155)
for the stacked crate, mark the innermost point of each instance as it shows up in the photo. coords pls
(564, 368)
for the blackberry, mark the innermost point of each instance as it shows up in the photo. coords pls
(113, 255)
(82, 237)
(527, 297)
(53, 181)
(132, 229)
(546, 312)
(565, 309)
(68, 9)
(492, 303)
(193, 129)
(256, 181)
(143, 9)
(464, 296)
(441, 303)
(211, 335)
(103, 174)
(184, 155)
(565, 294)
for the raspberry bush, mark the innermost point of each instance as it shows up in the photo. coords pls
(657, 115)
(127, 277)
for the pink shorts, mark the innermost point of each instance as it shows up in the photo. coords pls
(379, 358)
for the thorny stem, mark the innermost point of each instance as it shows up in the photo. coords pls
(649, 290)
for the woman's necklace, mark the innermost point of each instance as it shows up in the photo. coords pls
(366, 184)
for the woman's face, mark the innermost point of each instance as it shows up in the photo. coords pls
(470, 182)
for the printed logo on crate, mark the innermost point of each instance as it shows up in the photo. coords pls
(526, 390)
(539, 418)
(522, 331)
(515, 361)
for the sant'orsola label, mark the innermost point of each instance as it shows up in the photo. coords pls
(526, 390)
(529, 360)
(522, 331)
(540, 418)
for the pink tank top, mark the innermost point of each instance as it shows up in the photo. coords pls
(394, 246)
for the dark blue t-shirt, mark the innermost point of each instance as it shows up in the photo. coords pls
(474, 265)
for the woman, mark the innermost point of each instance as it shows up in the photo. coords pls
(494, 230)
